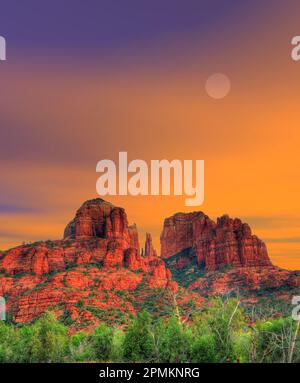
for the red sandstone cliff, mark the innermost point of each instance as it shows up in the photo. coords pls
(226, 242)
(99, 233)
(99, 252)
(98, 219)
(149, 250)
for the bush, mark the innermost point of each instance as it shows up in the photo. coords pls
(138, 342)
(273, 340)
(80, 347)
(8, 343)
(44, 341)
(203, 349)
(101, 342)
(175, 341)
(117, 346)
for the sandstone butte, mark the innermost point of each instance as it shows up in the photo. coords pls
(97, 272)
(227, 242)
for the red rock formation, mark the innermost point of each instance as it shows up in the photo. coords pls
(134, 237)
(133, 259)
(98, 218)
(149, 249)
(249, 280)
(98, 268)
(57, 274)
(227, 242)
(98, 233)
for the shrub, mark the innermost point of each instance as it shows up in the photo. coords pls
(138, 342)
(101, 342)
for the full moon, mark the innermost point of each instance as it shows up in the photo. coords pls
(217, 85)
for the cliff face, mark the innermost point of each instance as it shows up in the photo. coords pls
(98, 219)
(99, 233)
(99, 252)
(149, 250)
(213, 245)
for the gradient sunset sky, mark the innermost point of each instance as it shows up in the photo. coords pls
(87, 80)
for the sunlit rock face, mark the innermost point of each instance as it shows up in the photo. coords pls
(213, 244)
(98, 219)
(98, 256)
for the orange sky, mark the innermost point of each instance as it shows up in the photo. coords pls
(67, 117)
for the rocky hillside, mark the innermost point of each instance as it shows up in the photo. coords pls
(98, 273)
(224, 257)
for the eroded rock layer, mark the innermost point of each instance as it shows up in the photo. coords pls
(214, 245)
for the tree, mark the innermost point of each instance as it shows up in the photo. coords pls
(138, 342)
(80, 347)
(294, 340)
(102, 342)
(44, 341)
(174, 345)
(275, 340)
(203, 349)
(117, 346)
(224, 321)
(8, 338)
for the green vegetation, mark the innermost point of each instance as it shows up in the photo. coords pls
(187, 274)
(50, 244)
(220, 332)
(44, 341)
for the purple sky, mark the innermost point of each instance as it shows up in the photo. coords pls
(100, 27)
